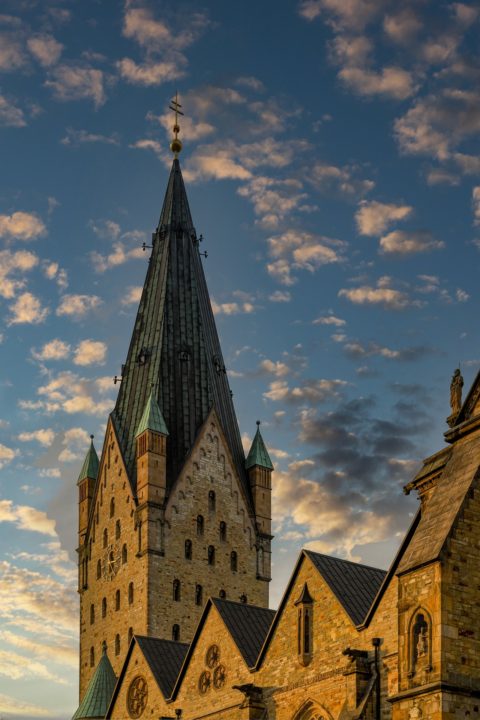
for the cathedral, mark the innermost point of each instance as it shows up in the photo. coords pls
(174, 548)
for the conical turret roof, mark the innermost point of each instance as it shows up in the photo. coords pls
(175, 346)
(152, 418)
(258, 454)
(99, 691)
(90, 464)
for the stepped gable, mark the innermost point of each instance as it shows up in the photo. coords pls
(175, 347)
(353, 584)
(247, 624)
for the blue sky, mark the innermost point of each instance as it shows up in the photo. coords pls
(332, 162)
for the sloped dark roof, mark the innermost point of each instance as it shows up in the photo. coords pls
(90, 464)
(258, 454)
(248, 625)
(353, 584)
(99, 691)
(165, 658)
(175, 348)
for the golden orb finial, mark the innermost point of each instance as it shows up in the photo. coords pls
(176, 144)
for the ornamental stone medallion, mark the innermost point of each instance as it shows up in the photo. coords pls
(137, 697)
(215, 675)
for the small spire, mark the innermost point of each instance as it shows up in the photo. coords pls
(176, 144)
(90, 464)
(152, 418)
(258, 454)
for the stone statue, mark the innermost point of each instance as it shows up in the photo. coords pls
(456, 392)
(422, 644)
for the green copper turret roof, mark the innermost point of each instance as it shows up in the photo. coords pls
(90, 464)
(99, 691)
(152, 418)
(175, 347)
(258, 454)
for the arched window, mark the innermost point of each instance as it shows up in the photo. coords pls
(304, 606)
(130, 593)
(104, 607)
(188, 549)
(99, 569)
(105, 538)
(211, 555)
(92, 657)
(222, 594)
(200, 525)
(223, 531)
(117, 644)
(176, 590)
(212, 501)
(233, 561)
(117, 530)
(117, 600)
(92, 614)
(176, 633)
(112, 507)
(130, 634)
(198, 595)
(124, 554)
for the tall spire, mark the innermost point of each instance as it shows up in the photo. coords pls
(90, 464)
(174, 346)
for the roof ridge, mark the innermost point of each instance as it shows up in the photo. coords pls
(159, 639)
(238, 602)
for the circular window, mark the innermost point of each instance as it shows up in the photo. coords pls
(219, 677)
(212, 656)
(137, 697)
(204, 682)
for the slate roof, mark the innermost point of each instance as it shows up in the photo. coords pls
(90, 464)
(152, 418)
(258, 454)
(248, 625)
(353, 584)
(99, 691)
(175, 347)
(165, 658)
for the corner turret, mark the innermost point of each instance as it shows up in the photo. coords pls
(99, 691)
(259, 468)
(86, 486)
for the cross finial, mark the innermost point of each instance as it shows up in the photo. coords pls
(176, 144)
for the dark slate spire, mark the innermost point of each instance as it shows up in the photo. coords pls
(99, 691)
(174, 346)
(90, 464)
(258, 454)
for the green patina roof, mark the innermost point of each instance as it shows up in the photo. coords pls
(152, 418)
(90, 464)
(258, 454)
(99, 691)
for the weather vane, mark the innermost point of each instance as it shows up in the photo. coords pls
(176, 144)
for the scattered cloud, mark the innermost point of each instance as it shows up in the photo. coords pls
(277, 368)
(400, 242)
(394, 82)
(345, 180)
(374, 217)
(68, 392)
(10, 114)
(14, 706)
(382, 295)
(298, 250)
(329, 320)
(76, 138)
(476, 204)
(45, 49)
(119, 255)
(77, 306)
(22, 226)
(74, 82)
(231, 308)
(28, 518)
(27, 309)
(280, 296)
(12, 56)
(43, 436)
(90, 352)
(13, 266)
(149, 73)
(6, 455)
(132, 295)
(309, 391)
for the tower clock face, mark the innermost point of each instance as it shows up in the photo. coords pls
(110, 562)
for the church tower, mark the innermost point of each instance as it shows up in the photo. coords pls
(172, 513)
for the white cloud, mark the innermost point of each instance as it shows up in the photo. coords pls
(69, 82)
(105, 229)
(45, 49)
(476, 204)
(53, 350)
(13, 265)
(403, 26)
(374, 217)
(10, 114)
(344, 180)
(277, 368)
(343, 14)
(408, 243)
(27, 518)
(298, 250)
(280, 296)
(150, 73)
(68, 392)
(50, 472)
(132, 295)
(44, 436)
(118, 256)
(21, 226)
(329, 320)
(75, 138)
(314, 391)
(390, 81)
(77, 306)
(6, 455)
(13, 706)
(90, 352)
(231, 308)
(383, 295)
(12, 56)
(27, 309)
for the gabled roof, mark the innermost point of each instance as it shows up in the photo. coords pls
(152, 418)
(90, 464)
(247, 624)
(164, 658)
(354, 585)
(175, 346)
(258, 454)
(99, 691)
